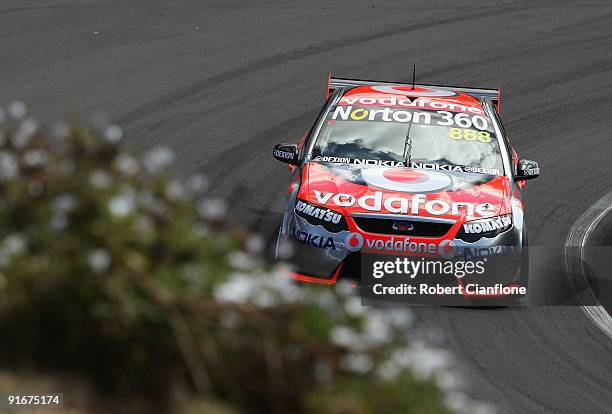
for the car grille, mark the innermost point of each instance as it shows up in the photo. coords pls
(402, 227)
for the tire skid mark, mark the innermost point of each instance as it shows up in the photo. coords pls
(574, 248)
(296, 54)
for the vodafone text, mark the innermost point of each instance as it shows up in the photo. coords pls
(407, 103)
(404, 205)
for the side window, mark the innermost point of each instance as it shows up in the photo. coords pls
(509, 150)
(306, 141)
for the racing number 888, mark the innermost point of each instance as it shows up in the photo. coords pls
(469, 135)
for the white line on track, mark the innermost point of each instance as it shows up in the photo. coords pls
(574, 252)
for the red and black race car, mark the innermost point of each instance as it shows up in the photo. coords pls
(391, 168)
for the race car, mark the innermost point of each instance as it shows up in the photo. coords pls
(405, 170)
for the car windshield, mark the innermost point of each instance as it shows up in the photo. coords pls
(379, 135)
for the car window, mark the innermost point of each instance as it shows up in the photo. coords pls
(406, 135)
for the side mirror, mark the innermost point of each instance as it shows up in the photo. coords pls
(286, 153)
(526, 170)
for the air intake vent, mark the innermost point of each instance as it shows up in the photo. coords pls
(402, 227)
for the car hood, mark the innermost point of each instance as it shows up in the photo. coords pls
(351, 190)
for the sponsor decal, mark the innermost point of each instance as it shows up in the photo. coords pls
(400, 164)
(447, 249)
(454, 168)
(484, 226)
(441, 118)
(353, 242)
(284, 154)
(405, 102)
(406, 180)
(477, 252)
(323, 214)
(314, 240)
(404, 245)
(469, 135)
(378, 201)
(357, 161)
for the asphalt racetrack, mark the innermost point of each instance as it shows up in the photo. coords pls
(222, 81)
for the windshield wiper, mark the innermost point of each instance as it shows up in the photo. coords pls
(408, 145)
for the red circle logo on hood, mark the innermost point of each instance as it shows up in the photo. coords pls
(353, 242)
(405, 179)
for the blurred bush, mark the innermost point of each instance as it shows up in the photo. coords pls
(134, 280)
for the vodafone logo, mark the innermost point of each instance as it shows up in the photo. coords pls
(353, 242)
(416, 92)
(406, 180)
(446, 249)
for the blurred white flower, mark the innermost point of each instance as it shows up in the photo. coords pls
(399, 318)
(447, 380)
(29, 126)
(456, 401)
(9, 166)
(196, 184)
(13, 244)
(17, 110)
(388, 370)
(126, 164)
(360, 363)
(280, 280)
(122, 204)
(59, 221)
(175, 191)
(158, 159)
(345, 288)
(23, 135)
(99, 260)
(20, 140)
(255, 244)
(344, 336)
(237, 289)
(327, 301)
(240, 260)
(64, 203)
(353, 307)
(376, 331)
(213, 209)
(265, 298)
(481, 408)
(35, 158)
(99, 179)
(429, 360)
(284, 250)
(113, 134)
(152, 203)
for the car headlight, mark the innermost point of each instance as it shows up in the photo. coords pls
(490, 227)
(331, 220)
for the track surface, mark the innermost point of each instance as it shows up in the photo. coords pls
(222, 81)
